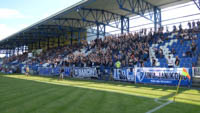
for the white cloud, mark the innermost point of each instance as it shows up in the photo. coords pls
(6, 30)
(10, 14)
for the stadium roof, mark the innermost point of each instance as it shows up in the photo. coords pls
(82, 15)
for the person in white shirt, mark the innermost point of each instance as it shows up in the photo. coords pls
(170, 62)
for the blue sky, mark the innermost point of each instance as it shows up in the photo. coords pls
(18, 14)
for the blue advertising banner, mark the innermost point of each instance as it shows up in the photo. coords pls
(107, 73)
(53, 71)
(67, 71)
(124, 74)
(168, 76)
(45, 71)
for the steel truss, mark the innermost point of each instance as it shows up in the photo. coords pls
(73, 24)
(142, 7)
(197, 3)
(41, 33)
(97, 17)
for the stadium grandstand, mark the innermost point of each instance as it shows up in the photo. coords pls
(114, 56)
(77, 37)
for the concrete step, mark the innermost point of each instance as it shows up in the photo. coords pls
(196, 77)
(196, 81)
(195, 85)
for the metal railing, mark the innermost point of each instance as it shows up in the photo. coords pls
(196, 71)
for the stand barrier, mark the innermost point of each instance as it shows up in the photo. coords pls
(164, 76)
(196, 71)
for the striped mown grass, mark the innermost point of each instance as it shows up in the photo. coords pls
(34, 94)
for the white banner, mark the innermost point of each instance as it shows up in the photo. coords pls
(85, 72)
(196, 71)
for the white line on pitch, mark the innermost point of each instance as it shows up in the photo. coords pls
(157, 101)
(159, 107)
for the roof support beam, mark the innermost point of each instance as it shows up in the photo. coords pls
(142, 7)
(157, 18)
(76, 25)
(197, 3)
(40, 33)
(104, 18)
(98, 17)
(61, 28)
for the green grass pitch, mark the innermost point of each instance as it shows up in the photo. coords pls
(34, 94)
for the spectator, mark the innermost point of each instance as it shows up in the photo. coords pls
(167, 29)
(193, 25)
(27, 70)
(187, 54)
(161, 53)
(62, 70)
(153, 62)
(177, 62)
(173, 51)
(174, 29)
(193, 47)
(189, 25)
(198, 25)
(170, 62)
(180, 28)
(118, 64)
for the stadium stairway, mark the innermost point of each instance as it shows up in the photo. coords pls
(152, 53)
(180, 49)
(198, 63)
(196, 81)
(166, 49)
(161, 62)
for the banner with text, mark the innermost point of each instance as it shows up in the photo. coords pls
(47, 71)
(85, 72)
(168, 76)
(124, 74)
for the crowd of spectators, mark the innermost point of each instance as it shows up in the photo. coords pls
(130, 49)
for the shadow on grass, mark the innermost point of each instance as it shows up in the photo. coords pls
(116, 83)
(90, 83)
(178, 107)
(148, 88)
